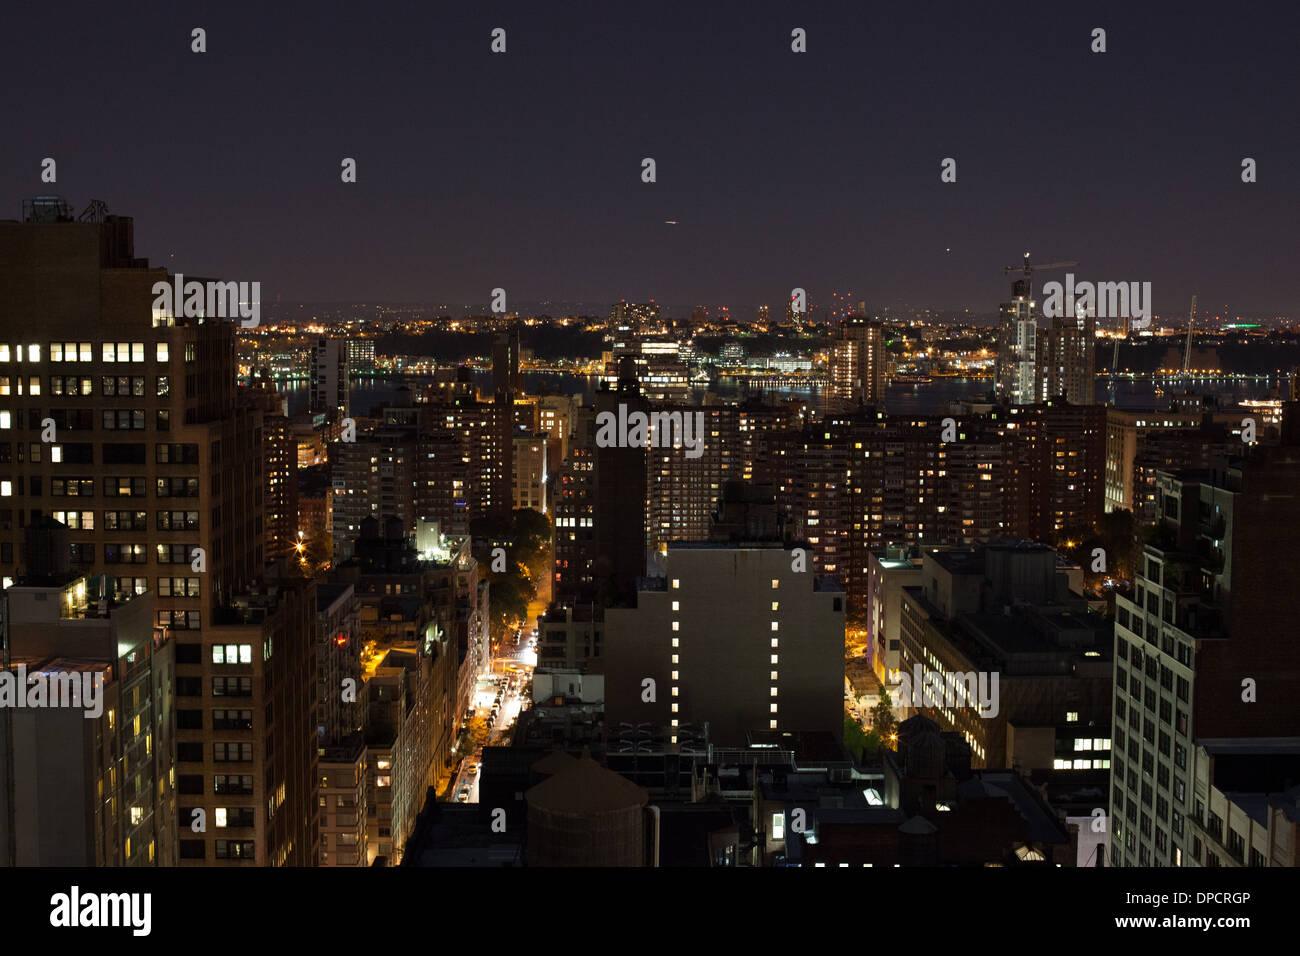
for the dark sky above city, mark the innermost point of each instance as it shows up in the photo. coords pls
(819, 170)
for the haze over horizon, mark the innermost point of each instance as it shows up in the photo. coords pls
(523, 170)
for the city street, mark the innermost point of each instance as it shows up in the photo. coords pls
(511, 670)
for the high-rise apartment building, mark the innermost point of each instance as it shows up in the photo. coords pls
(574, 507)
(531, 478)
(1017, 347)
(628, 320)
(507, 383)
(1065, 359)
(1139, 445)
(156, 467)
(280, 473)
(600, 506)
(857, 363)
(1199, 668)
(1055, 467)
(338, 660)
(555, 415)
(683, 486)
(344, 804)
(439, 460)
(329, 377)
(855, 484)
(246, 732)
(360, 357)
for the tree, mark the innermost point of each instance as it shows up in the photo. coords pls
(855, 739)
(883, 722)
(531, 548)
(508, 598)
(476, 734)
(531, 529)
(873, 745)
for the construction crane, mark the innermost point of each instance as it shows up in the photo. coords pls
(1028, 269)
(1187, 349)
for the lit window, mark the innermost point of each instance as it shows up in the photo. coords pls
(773, 692)
(775, 583)
(771, 725)
(776, 605)
(1072, 717)
(4, 353)
(776, 641)
(674, 708)
(675, 692)
(675, 641)
(773, 675)
(778, 826)
(220, 816)
(6, 419)
(774, 660)
(6, 489)
(774, 625)
(677, 583)
(161, 352)
(33, 353)
(677, 606)
(773, 708)
(675, 677)
(674, 658)
(677, 626)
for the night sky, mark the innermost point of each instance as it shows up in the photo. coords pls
(818, 170)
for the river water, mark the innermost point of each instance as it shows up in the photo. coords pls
(1139, 394)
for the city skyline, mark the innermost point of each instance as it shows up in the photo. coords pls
(697, 437)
